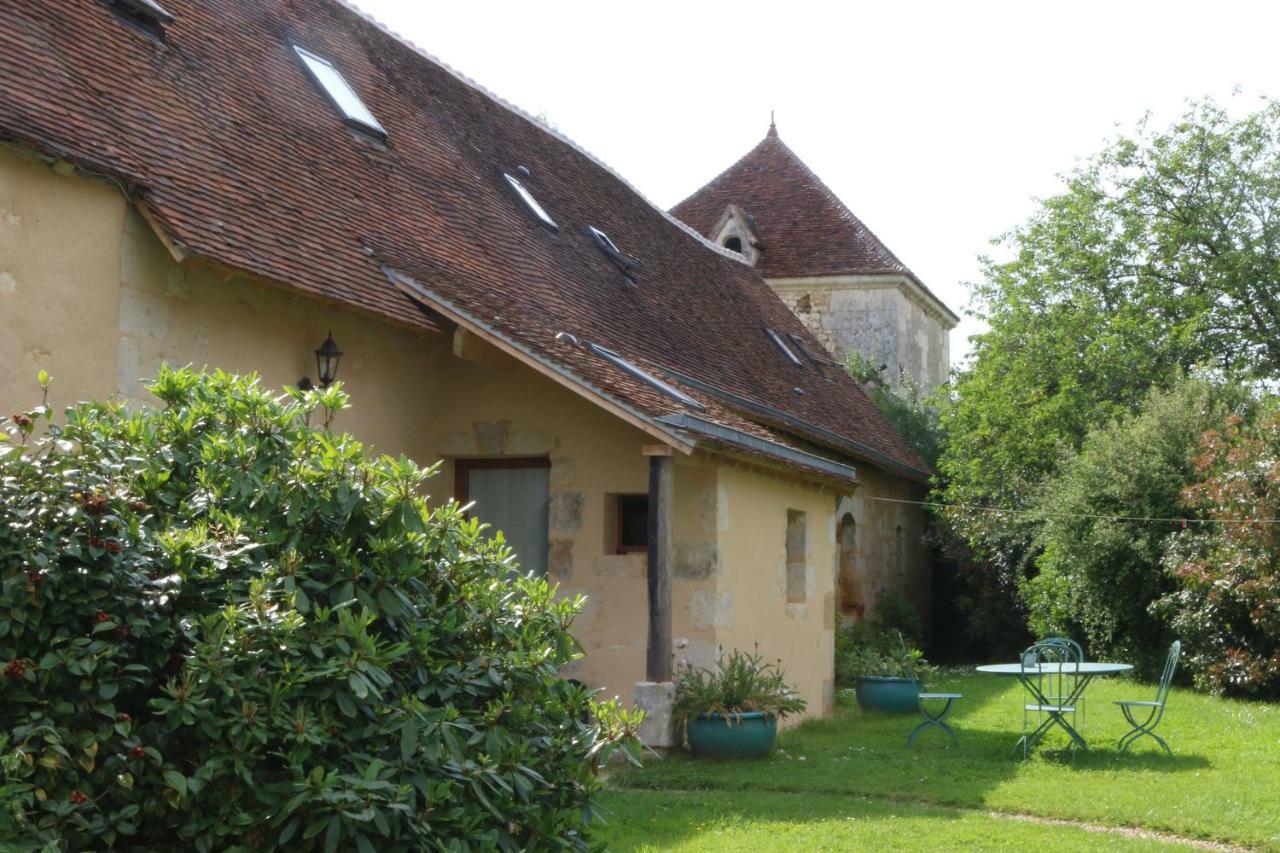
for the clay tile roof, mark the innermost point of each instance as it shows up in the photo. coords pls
(241, 160)
(804, 229)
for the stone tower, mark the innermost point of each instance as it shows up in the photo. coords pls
(825, 264)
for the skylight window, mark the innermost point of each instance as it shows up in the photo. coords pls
(145, 15)
(798, 344)
(613, 253)
(786, 350)
(353, 110)
(530, 202)
(648, 378)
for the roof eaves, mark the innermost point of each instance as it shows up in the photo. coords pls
(721, 433)
(543, 365)
(782, 420)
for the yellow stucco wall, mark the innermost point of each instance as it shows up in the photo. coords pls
(89, 293)
(753, 536)
(59, 282)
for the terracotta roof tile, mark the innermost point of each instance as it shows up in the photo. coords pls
(804, 228)
(242, 160)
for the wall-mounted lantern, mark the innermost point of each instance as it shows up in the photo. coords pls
(327, 358)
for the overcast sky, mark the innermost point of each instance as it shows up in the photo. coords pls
(937, 123)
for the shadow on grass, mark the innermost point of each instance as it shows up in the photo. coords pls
(853, 753)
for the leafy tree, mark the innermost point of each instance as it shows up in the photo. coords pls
(911, 409)
(1162, 253)
(1226, 608)
(224, 629)
(1097, 576)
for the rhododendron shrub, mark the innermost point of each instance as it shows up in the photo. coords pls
(225, 627)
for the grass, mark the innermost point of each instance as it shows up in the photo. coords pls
(850, 781)
(724, 821)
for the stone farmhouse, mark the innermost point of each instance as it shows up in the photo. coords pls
(241, 184)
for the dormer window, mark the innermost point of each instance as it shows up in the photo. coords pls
(147, 16)
(736, 232)
(530, 202)
(786, 350)
(344, 98)
(613, 253)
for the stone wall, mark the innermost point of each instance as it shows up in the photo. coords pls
(889, 319)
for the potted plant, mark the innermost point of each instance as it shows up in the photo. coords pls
(732, 711)
(886, 676)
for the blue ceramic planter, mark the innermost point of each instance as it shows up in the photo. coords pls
(888, 695)
(747, 735)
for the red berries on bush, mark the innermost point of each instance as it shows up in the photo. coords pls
(15, 669)
(78, 798)
(101, 617)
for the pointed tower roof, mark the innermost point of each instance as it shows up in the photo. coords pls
(802, 227)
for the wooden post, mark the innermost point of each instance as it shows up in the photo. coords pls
(658, 660)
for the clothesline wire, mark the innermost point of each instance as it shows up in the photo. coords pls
(1087, 516)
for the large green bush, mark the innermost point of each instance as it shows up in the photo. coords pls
(223, 628)
(1226, 608)
(1097, 574)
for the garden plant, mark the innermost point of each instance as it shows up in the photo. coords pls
(224, 626)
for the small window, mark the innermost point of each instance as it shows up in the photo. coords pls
(786, 350)
(797, 548)
(613, 253)
(353, 110)
(733, 244)
(630, 528)
(145, 15)
(648, 378)
(530, 202)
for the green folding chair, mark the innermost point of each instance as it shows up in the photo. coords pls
(1155, 709)
(1050, 673)
(1077, 722)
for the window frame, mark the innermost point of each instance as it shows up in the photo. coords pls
(611, 251)
(780, 344)
(530, 203)
(618, 546)
(371, 128)
(463, 466)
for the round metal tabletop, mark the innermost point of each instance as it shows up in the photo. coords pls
(1086, 668)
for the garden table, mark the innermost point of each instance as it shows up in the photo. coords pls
(1085, 673)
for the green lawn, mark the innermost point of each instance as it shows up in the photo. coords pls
(850, 782)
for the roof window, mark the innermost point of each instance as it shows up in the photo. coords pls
(798, 344)
(647, 378)
(353, 110)
(145, 15)
(786, 350)
(613, 253)
(522, 192)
